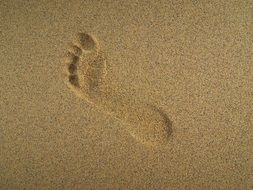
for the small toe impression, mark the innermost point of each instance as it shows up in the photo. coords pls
(72, 68)
(73, 79)
(87, 42)
(72, 63)
(70, 58)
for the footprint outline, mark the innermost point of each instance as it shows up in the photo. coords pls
(85, 76)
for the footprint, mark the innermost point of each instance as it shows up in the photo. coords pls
(86, 77)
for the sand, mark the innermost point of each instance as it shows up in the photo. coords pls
(126, 94)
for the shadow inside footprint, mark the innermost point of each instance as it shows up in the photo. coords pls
(167, 121)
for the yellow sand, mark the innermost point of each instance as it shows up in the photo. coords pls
(178, 113)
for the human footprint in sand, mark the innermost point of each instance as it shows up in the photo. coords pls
(86, 77)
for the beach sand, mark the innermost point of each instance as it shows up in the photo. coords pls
(126, 94)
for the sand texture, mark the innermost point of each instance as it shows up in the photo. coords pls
(126, 94)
